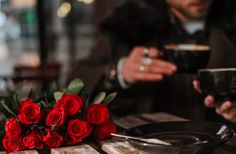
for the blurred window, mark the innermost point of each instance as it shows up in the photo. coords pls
(18, 34)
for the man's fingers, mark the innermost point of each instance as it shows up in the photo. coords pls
(224, 108)
(139, 52)
(196, 85)
(154, 53)
(209, 101)
(164, 64)
(230, 117)
(152, 68)
(148, 77)
(143, 65)
(154, 61)
(230, 114)
(159, 70)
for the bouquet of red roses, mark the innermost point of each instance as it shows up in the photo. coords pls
(60, 118)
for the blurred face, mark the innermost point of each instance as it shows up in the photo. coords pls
(189, 9)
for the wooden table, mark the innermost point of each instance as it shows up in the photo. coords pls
(119, 146)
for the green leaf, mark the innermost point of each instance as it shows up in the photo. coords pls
(109, 98)
(41, 127)
(99, 98)
(58, 95)
(2, 119)
(15, 103)
(31, 94)
(16, 99)
(53, 87)
(75, 86)
(2, 102)
(19, 87)
(87, 102)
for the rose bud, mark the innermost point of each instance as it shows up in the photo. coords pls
(104, 132)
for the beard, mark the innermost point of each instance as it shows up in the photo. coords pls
(193, 14)
(194, 9)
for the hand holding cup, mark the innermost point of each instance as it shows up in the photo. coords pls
(144, 64)
(218, 86)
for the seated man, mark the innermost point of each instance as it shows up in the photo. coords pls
(127, 56)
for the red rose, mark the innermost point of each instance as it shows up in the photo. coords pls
(73, 141)
(71, 103)
(12, 127)
(48, 110)
(78, 130)
(12, 143)
(29, 112)
(97, 114)
(104, 132)
(56, 117)
(33, 140)
(52, 139)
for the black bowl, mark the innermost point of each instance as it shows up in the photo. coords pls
(221, 83)
(186, 137)
(187, 57)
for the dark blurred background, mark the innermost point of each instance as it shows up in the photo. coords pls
(39, 39)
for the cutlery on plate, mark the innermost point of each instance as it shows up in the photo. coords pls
(148, 140)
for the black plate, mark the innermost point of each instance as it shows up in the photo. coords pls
(186, 137)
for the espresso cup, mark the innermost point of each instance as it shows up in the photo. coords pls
(187, 57)
(221, 83)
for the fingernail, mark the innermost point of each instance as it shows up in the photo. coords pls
(228, 104)
(174, 68)
(170, 72)
(160, 77)
(211, 98)
(207, 102)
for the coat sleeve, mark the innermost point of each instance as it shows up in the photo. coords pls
(95, 70)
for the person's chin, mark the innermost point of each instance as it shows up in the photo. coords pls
(199, 6)
(198, 10)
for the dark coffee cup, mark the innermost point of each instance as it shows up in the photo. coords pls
(221, 83)
(187, 57)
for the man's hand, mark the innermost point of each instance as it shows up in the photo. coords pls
(226, 109)
(143, 65)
